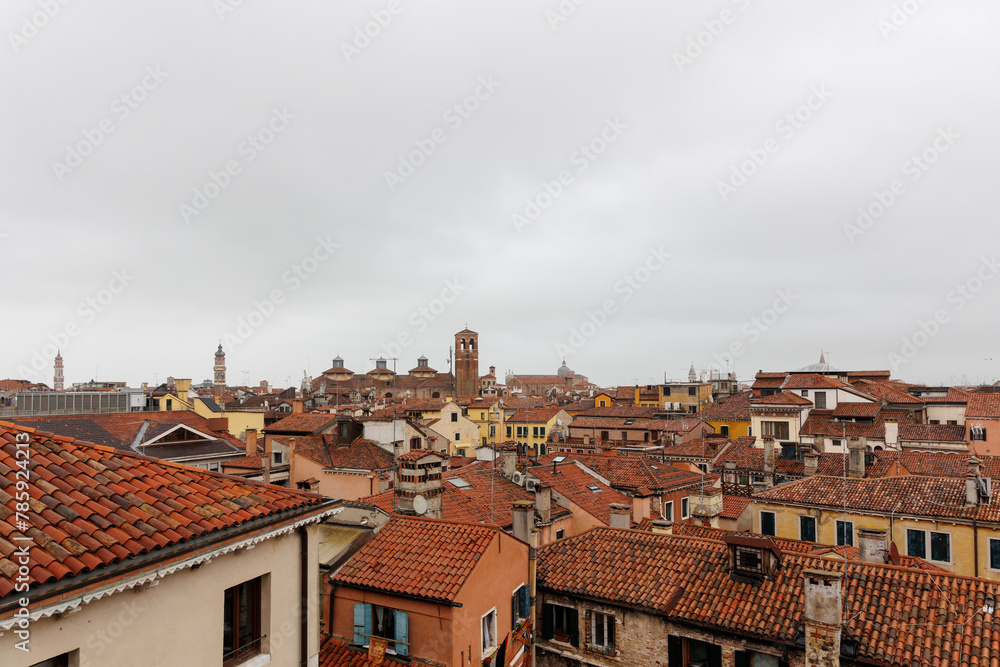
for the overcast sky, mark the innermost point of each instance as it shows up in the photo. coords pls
(627, 184)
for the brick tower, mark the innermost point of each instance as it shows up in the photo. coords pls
(219, 368)
(467, 363)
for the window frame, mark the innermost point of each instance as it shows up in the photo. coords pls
(803, 520)
(686, 507)
(844, 533)
(927, 544)
(819, 400)
(607, 623)
(667, 510)
(994, 564)
(255, 647)
(781, 427)
(488, 649)
(774, 523)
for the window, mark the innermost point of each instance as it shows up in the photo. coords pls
(371, 620)
(767, 523)
(684, 507)
(489, 626)
(602, 630)
(941, 547)
(788, 452)
(994, 554)
(820, 400)
(748, 560)
(692, 391)
(691, 653)
(541, 431)
(534, 431)
(975, 433)
(520, 605)
(170, 404)
(561, 624)
(934, 421)
(778, 430)
(454, 416)
(278, 457)
(807, 528)
(508, 432)
(604, 435)
(668, 510)
(753, 659)
(724, 430)
(916, 545)
(805, 393)
(241, 633)
(845, 533)
(560, 534)
(458, 436)
(624, 435)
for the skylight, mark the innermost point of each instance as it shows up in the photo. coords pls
(459, 483)
(594, 487)
(559, 459)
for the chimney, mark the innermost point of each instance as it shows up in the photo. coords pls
(524, 519)
(292, 479)
(640, 507)
(296, 406)
(663, 527)
(811, 463)
(508, 461)
(972, 477)
(267, 458)
(621, 515)
(856, 451)
(891, 433)
(769, 455)
(707, 506)
(543, 501)
(819, 444)
(181, 388)
(729, 476)
(251, 441)
(874, 545)
(586, 439)
(823, 614)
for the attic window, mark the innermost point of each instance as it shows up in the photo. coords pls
(459, 483)
(629, 422)
(748, 560)
(594, 487)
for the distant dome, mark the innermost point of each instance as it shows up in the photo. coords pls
(820, 367)
(564, 370)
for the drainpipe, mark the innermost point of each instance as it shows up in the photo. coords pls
(304, 593)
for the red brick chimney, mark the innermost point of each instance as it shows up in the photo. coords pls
(823, 617)
(251, 441)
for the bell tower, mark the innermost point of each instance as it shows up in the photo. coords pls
(57, 379)
(220, 368)
(467, 363)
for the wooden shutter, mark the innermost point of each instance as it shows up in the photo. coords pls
(714, 656)
(524, 600)
(675, 652)
(743, 659)
(402, 623)
(573, 621)
(548, 616)
(362, 623)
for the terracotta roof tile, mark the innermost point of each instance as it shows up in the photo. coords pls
(304, 423)
(780, 398)
(585, 490)
(983, 406)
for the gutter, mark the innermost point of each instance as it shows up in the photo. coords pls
(71, 592)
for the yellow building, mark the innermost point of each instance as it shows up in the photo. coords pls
(951, 522)
(533, 426)
(487, 413)
(686, 397)
(237, 422)
(730, 415)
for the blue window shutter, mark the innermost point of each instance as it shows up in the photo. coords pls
(362, 623)
(525, 602)
(402, 631)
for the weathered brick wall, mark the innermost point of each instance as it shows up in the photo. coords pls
(822, 645)
(641, 640)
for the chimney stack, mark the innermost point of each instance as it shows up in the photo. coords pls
(972, 481)
(819, 444)
(296, 406)
(707, 506)
(251, 441)
(543, 502)
(769, 455)
(508, 460)
(873, 543)
(811, 464)
(524, 519)
(823, 614)
(292, 479)
(663, 527)
(641, 506)
(621, 515)
(856, 451)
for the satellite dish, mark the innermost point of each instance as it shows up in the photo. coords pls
(419, 504)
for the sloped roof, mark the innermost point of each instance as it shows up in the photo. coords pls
(631, 473)
(425, 558)
(937, 617)
(735, 408)
(93, 506)
(306, 423)
(983, 406)
(572, 481)
(780, 398)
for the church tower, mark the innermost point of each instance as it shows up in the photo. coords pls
(467, 363)
(57, 379)
(220, 368)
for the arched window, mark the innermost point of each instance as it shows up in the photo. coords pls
(472, 343)
(436, 394)
(388, 394)
(462, 346)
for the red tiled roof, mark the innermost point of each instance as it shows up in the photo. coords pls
(705, 448)
(306, 423)
(845, 409)
(417, 454)
(932, 432)
(983, 406)
(811, 381)
(571, 480)
(910, 495)
(781, 398)
(425, 558)
(733, 506)
(338, 652)
(534, 415)
(625, 411)
(631, 473)
(900, 616)
(93, 506)
(886, 392)
(735, 408)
